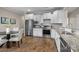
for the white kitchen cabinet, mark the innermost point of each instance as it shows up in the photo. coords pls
(29, 16)
(58, 44)
(35, 17)
(38, 18)
(54, 17)
(47, 15)
(41, 19)
(58, 16)
(52, 33)
(61, 16)
(38, 32)
(44, 16)
(56, 36)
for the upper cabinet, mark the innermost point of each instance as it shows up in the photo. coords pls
(47, 15)
(38, 18)
(47, 18)
(54, 17)
(29, 16)
(35, 17)
(61, 16)
(58, 16)
(44, 16)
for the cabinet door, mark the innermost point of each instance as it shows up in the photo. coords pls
(38, 18)
(29, 16)
(58, 44)
(37, 32)
(60, 16)
(41, 19)
(56, 36)
(48, 15)
(57, 40)
(44, 17)
(53, 33)
(54, 17)
(35, 19)
(26, 16)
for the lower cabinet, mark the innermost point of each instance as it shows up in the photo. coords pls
(38, 32)
(56, 36)
(58, 44)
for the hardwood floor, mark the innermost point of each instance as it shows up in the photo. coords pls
(32, 44)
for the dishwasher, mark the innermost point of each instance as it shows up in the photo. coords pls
(64, 47)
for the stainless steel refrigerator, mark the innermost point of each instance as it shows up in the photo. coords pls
(29, 27)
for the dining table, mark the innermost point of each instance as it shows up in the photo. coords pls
(7, 37)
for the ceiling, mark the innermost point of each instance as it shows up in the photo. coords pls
(36, 10)
(71, 9)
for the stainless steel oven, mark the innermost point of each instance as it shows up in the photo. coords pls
(46, 32)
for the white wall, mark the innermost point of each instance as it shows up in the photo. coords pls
(74, 20)
(6, 13)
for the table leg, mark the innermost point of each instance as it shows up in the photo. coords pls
(18, 44)
(8, 44)
(21, 41)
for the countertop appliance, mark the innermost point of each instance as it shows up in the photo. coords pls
(29, 27)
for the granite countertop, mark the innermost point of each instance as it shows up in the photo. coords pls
(72, 41)
(37, 26)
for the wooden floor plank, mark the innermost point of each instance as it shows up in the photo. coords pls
(33, 44)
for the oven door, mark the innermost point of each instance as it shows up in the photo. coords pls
(46, 32)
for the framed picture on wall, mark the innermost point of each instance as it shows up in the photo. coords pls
(0, 20)
(12, 21)
(5, 20)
